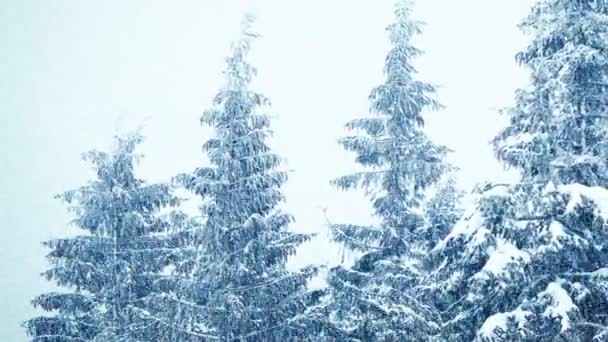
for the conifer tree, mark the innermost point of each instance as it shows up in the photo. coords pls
(529, 261)
(374, 300)
(108, 269)
(239, 288)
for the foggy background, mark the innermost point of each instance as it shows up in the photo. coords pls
(73, 73)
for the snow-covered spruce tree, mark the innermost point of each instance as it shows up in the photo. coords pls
(374, 300)
(240, 289)
(529, 261)
(108, 269)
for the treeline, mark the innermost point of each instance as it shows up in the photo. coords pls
(527, 261)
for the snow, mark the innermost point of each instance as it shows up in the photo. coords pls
(472, 222)
(500, 320)
(503, 255)
(454, 279)
(318, 282)
(561, 304)
(481, 235)
(497, 190)
(581, 291)
(521, 138)
(557, 234)
(550, 187)
(577, 191)
(468, 225)
(601, 273)
(556, 230)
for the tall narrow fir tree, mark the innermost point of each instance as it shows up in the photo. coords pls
(107, 270)
(374, 300)
(240, 288)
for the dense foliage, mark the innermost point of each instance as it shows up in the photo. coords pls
(109, 268)
(374, 300)
(528, 262)
(239, 287)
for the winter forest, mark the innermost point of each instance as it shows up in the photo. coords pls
(503, 261)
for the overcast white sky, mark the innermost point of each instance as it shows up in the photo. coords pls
(73, 72)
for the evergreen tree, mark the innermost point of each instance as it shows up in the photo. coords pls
(528, 262)
(107, 270)
(374, 300)
(239, 288)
